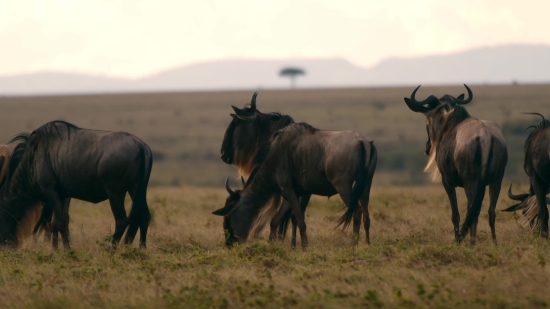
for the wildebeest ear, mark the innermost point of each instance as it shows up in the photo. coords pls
(514, 207)
(461, 97)
(237, 110)
(244, 114)
(225, 211)
(415, 107)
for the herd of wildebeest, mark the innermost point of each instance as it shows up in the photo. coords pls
(284, 163)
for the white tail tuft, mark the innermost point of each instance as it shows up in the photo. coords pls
(531, 214)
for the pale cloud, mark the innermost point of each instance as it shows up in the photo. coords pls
(134, 38)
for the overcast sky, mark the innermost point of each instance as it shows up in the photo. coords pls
(133, 38)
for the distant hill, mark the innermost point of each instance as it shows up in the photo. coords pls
(503, 64)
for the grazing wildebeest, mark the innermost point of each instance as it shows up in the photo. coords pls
(302, 160)
(59, 161)
(463, 152)
(537, 167)
(244, 136)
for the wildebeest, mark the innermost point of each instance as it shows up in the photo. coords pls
(537, 167)
(303, 160)
(247, 132)
(59, 161)
(463, 152)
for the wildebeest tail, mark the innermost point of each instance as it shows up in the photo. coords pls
(139, 213)
(475, 207)
(364, 178)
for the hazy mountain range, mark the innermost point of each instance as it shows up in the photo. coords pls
(492, 65)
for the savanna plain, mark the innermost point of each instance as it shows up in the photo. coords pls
(412, 261)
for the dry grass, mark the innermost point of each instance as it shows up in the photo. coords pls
(412, 262)
(188, 128)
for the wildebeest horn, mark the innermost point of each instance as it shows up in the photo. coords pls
(242, 180)
(536, 114)
(417, 106)
(253, 101)
(428, 100)
(519, 197)
(231, 192)
(468, 100)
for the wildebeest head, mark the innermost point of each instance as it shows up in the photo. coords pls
(247, 132)
(528, 206)
(240, 130)
(234, 197)
(435, 110)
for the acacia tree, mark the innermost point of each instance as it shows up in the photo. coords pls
(292, 72)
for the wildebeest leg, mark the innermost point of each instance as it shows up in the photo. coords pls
(139, 216)
(66, 217)
(471, 192)
(116, 199)
(494, 192)
(540, 192)
(143, 226)
(366, 217)
(294, 226)
(304, 200)
(290, 196)
(357, 223)
(283, 212)
(345, 194)
(58, 224)
(451, 193)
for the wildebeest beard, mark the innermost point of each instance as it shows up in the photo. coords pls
(243, 139)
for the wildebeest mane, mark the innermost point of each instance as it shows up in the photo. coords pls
(537, 128)
(297, 127)
(265, 125)
(262, 153)
(454, 117)
(51, 129)
(44, 132)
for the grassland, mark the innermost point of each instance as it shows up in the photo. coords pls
(411, 263)
(185, 130)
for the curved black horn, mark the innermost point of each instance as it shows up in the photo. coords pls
(242, 180)
(536, 114)
(519, 197)
(231, 192)
(413, 99)
(468, 100)
(253, 101)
